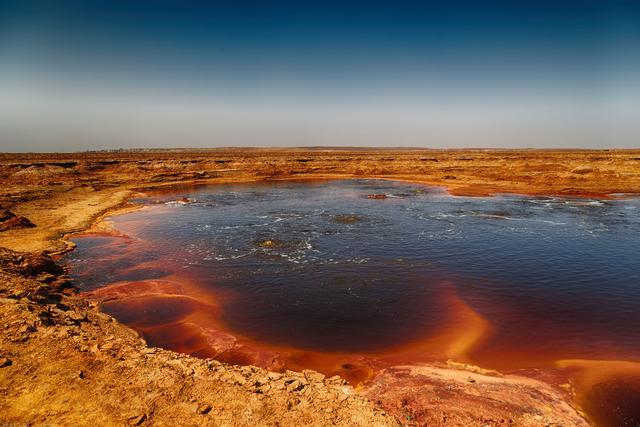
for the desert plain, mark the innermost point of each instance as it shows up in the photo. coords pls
(63, 361)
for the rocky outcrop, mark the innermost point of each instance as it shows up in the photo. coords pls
(9, 221)
(462, 395)
(28, 264)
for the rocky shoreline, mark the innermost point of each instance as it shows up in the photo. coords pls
(63, 361)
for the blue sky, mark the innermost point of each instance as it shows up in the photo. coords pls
(110, 74)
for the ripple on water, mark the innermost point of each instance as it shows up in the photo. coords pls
(322, 269)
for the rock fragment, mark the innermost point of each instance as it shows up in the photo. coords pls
(274, 375)
(137, 420)
(295, 385)
(204, 409)
(313, 376)
(9, 221)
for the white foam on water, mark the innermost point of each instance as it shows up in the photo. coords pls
(497, 217)
(234, 227)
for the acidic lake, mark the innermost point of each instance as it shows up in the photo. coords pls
(317, 275)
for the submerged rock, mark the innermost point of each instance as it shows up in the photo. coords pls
(347, 219)
(278, 243)
(377, 196)
(268, 243)
(180, 201)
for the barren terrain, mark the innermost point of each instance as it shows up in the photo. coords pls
(62, 361)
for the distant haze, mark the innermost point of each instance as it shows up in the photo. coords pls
(443, 74)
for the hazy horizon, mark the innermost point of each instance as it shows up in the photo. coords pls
(77, 76)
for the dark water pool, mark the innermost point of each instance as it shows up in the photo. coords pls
(318, 266)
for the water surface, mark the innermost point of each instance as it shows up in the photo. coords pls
(311, 274)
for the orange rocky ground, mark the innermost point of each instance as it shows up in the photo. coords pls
(62, 361)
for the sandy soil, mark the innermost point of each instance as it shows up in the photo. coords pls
(62, 361)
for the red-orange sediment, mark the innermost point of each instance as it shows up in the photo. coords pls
(60, 202)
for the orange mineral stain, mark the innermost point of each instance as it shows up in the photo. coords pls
(417, 278)
(607, 390)
(178, 315)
